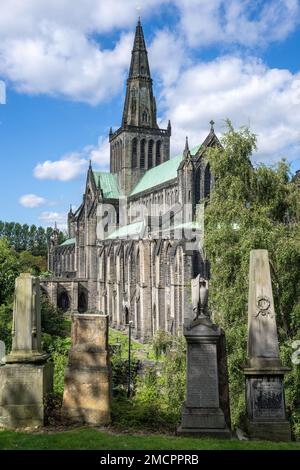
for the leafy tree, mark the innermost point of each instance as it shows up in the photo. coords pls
(8, 270)
(24, 238)
(11, 265)
(252, 207)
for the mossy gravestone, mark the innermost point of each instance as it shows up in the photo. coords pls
(27, 377)
(266, 416)
(87, 389)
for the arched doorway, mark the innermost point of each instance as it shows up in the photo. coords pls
(63, 301)
(127, 316)
(82, 302)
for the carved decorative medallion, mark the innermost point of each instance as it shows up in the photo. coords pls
(263, 304)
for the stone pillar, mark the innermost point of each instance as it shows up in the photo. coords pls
(264, 373)
(74, 288)
(87, 391)
(202, 414)
(27, 377)
(145, 290)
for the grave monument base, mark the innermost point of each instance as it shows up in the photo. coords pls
(23, 388)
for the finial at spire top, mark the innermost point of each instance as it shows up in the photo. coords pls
(212, 123)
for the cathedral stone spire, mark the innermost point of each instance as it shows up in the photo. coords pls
(139, 58)
(139, 144)
(140, 106)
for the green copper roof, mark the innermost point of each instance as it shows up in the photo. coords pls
(108, 184)
(127, 231)
(160, 174)
(70, 241)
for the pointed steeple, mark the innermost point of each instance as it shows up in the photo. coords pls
(169, 127)
(140, 106)
(187, 161)
(139, 66)
(186, 152)
(139, 143)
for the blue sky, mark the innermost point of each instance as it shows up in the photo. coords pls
(65, 68)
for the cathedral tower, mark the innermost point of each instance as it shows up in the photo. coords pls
(138, 144)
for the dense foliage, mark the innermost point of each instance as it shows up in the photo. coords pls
(158, 386)
(27, 238)
(253, 207)
(12, 264)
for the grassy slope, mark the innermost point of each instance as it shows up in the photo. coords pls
(92, 439)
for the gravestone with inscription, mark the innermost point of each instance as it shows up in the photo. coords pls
(202, 412)
(27, 376)
(87, 389)
(264, 373)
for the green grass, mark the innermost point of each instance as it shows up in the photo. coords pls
(92, 439)
(139, 351)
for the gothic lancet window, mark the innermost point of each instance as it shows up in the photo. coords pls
(197, 186)
(150, 154)
(145, 117)
(134, 153)
(119, 161)
(207, 179)
(158, 152)
(143, 142)
(117, 156)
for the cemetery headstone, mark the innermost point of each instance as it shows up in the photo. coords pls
(27, 376)
(202, 412)
(87, 390)
(264, 373)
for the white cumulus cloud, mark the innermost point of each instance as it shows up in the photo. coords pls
(73, 165)
(32, 200)
(242, 22)
(246, 91)
(49, 47)
(50, 218)
(67, 168)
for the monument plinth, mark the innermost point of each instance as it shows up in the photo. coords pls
(27, 377)
(87, 390)
(202, 413)
(264, 373)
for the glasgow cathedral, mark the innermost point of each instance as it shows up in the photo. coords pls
(134, 242)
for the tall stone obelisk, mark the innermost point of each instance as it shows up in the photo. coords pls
(27, 376)
(264, 373)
